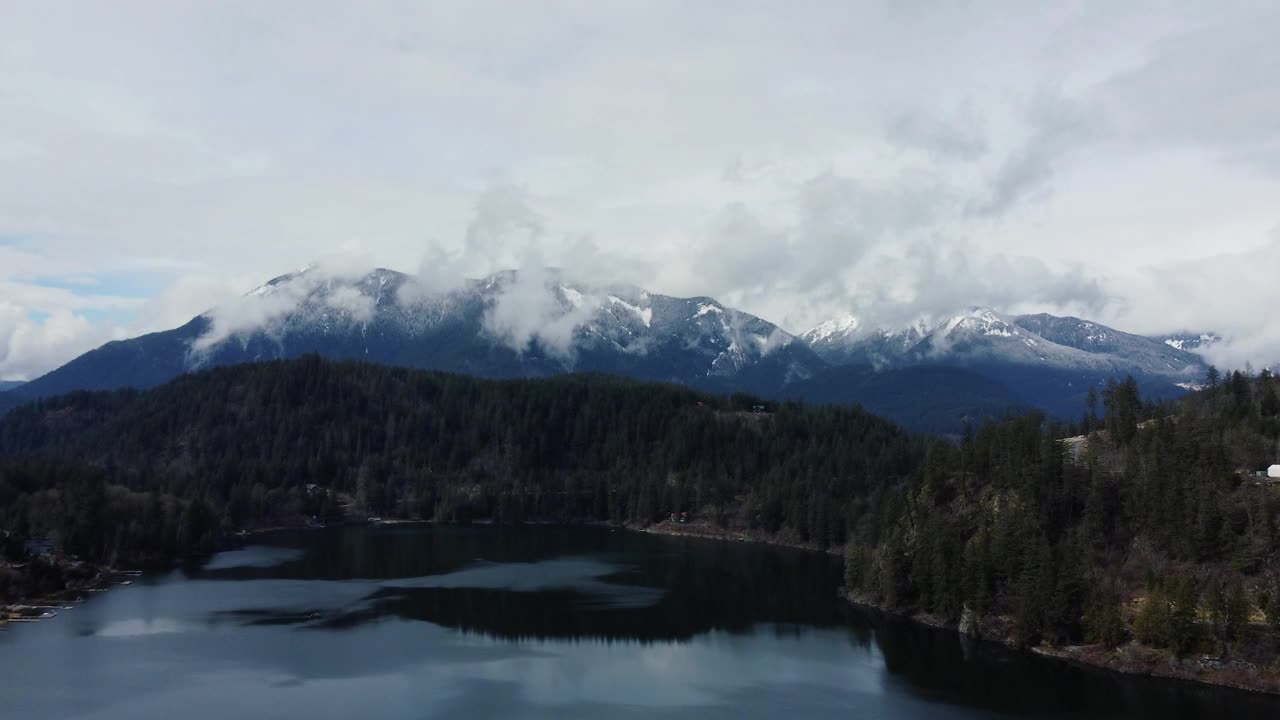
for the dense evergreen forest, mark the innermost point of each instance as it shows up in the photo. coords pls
(1138, 520)
(1152, 524)
(132, 477)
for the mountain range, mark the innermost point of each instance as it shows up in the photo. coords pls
(1049, 361)
(928, 375)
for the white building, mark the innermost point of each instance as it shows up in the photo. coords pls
(1273, 471)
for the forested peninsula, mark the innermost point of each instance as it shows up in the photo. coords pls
(1138, 536)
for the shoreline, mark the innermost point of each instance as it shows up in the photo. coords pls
(1130, 659)
(705, 532)
(75, 593)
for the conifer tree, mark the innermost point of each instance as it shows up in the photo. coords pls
(1273, 615)
(1237, 614)
(1151, 626)
(1103, 623)
(1184, 634)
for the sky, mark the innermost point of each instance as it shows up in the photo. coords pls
(800, 161)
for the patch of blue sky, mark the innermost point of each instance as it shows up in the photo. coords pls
(132, 284)
(117, 316)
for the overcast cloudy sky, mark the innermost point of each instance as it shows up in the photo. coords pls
(798, 160)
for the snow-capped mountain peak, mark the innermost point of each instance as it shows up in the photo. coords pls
(512, 322)
(539, 321)
(979, 320)
(982, 336)
(844, 326)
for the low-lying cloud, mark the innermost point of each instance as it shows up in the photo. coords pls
(1233, 296)
(530, 307)
(773, 164)
(264, 309)
(887, 255)
(502, 220)
(29, 346)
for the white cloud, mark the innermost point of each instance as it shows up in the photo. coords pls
(351, 302)
(1232, 295)
(269, 304)
(28, 347)
(879, 158)
(502, 221)
(530, 307)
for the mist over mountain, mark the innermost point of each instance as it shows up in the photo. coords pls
(538, 321)
(1191, 340)
(510, 324)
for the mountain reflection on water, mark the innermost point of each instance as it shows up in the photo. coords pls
(516, 584)
(422, 622)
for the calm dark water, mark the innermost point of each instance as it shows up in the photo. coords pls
(534, 623)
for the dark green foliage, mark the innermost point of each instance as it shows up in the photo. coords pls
(119, 474)
(1122, 407)
(1034, 587)
(1237, 614)
(1269, 400)
(1032, 524)
(1104, 624)
(857, 566)
(91, 514)
(1273, 615)
(1184, 633)
(1008, 520)
(1152, 624)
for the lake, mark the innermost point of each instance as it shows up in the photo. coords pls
(442, 622)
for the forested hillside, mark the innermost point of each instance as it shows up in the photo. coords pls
(131, 475)
(1149, 523)
(1156, 525)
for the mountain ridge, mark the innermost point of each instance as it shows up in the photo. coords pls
(539, 322)
(486, 327)
(1049, 361)
(1029, 337)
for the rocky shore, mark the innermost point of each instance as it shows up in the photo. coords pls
(79, 582)
(1132, 658)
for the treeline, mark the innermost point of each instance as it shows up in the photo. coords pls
(1135, 521)
(129, 475)
(83, 512)
(1154, 525)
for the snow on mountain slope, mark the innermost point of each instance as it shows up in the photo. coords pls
(1145, 354)
(832, 330)
(1045, 361)
(847, 341)
(503, 325)
(1189, 341)
(539, 322)
(980, 335)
